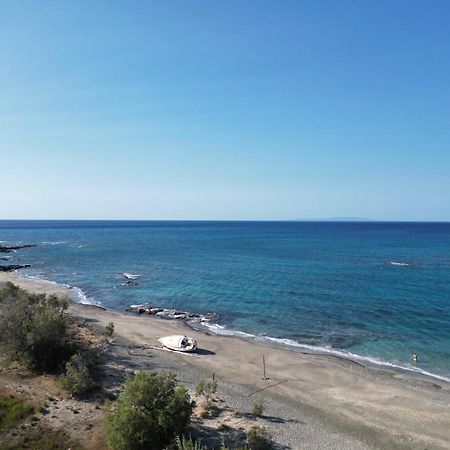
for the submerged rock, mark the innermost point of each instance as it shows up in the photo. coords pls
(11, 267)
(13, 248)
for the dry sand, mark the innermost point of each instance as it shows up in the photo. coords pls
(311, 401)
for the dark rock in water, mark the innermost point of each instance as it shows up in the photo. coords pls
(6, 249)
(11, 267)
(193, 316)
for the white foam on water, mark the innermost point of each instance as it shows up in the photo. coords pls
(79, 296)
(76, 293)
(400, 264)
(130, 276)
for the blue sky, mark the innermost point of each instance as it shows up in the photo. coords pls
(225, 110)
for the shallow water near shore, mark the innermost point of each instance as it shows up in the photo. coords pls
(375, 290)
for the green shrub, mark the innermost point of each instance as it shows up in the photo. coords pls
(210, 388)
(189, 444)
(109, 329)
(257, 439)
(12, 411)
(200, 388)
(150, 412)
(33, 328)
(39, 439)
(258, 410)
(78, 379)
(206, 388)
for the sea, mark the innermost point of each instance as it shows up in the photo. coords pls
(370, 291)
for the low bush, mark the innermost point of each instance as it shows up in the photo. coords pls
(200, 388)
(189, 444)
(150, 412)
(40, 439)
(258, 439)
(109, 329)
(206, 388)
(258, 410)
(13, 411)
(78, 379)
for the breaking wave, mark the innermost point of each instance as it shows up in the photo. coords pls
(400, 264)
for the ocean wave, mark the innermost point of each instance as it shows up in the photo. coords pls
(130, 276)
(76, 293)
(401, 264)
(79, 296)
(53, 243)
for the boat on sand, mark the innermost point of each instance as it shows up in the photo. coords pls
(179, 343)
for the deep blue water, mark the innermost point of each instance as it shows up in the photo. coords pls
(326, 284)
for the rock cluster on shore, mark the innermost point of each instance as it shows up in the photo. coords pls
(164, 313)
(9, 249)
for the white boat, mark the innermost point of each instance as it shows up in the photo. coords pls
(179, 343)
(130, 276)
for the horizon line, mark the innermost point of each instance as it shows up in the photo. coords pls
(330, 220)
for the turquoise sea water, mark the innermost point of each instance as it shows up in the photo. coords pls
(377, 290)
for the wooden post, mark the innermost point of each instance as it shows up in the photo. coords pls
(214, 376)
(264, 368)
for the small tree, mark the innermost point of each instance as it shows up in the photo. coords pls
(258, 409)
(77, 379)
(152, 410)
(109, 329)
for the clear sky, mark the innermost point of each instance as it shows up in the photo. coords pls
(225, 109)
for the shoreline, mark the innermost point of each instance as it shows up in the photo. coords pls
(77, 295)
(378, 406)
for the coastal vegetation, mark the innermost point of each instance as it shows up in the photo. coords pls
(33, 329)
(152, 410)
(258, 439)
(78, 379)
(258, 410)
(13, 411)
(56, 358)
(109, 329)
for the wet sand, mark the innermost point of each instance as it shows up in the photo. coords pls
(321, 401)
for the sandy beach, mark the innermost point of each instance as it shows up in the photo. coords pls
(312, 401)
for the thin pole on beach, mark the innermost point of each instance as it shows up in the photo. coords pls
(264, 368)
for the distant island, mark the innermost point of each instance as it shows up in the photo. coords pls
(338, 219)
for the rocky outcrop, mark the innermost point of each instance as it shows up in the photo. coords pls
(11, 267)
(6, 249)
